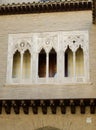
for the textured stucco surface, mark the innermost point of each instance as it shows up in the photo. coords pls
(34, 122)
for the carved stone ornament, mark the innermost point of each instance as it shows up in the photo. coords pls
(59, 41)
(22, 46)
(74, 42)
(47, 43)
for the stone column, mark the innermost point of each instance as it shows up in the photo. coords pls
(21, 67)
(31, 68)
(60, 66)
(47, 67)
(36, 70)
(74, 64)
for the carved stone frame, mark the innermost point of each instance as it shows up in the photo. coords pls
(59, 40)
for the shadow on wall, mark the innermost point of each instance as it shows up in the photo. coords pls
(48, 128)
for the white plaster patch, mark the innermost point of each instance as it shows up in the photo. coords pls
(88, 120)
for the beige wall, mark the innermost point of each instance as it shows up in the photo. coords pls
(63, 122)
(27, 23)
(92, 54)
(40, 23)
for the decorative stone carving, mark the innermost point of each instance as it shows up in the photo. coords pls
(21, 47)
(48, 43)
(74, 42)
(59, 40)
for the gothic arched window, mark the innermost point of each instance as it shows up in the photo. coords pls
(26, 64)
(52, 63)
(16, 65)
(48, 58)
(42, 64)
(68, 63)
(79, 62)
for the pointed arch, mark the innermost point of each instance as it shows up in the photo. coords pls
(42, 63)
(16, 65)
(52, 63)
(68, 62)
(26, 64)
(79, 62)
(48, 128)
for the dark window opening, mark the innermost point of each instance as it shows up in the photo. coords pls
(42, 64)
(68, 63)
(52, 63)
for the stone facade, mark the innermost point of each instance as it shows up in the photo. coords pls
(40, 23)
(34, 23)
(58, 121)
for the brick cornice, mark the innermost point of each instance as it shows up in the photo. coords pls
(41, 7)
(63, 104)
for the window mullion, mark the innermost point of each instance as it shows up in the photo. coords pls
(21, 67)
(85, 65)
(64, 65)
(31, 68)
(74, 64)
(47, 66)
(37, 57)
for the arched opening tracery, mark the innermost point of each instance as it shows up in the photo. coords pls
(21, 65)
